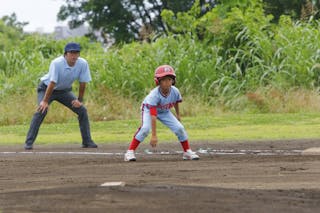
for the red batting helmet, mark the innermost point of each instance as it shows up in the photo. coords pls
(162, 71)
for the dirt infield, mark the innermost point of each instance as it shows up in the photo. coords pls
(265, 176)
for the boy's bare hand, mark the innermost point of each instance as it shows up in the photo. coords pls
(153, 141)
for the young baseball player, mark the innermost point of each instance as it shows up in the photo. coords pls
(157, 105)
(56, 85)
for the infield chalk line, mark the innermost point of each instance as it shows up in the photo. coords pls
(63, 153)
(148, 152)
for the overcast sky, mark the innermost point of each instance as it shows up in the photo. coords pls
(41, 14)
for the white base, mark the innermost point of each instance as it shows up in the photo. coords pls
(113, 184)
(311, 151)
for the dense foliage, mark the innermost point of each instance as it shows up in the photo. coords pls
(219, 58)
(129, 20)
(123, 20)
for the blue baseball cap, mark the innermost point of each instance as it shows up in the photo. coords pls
(72, 47)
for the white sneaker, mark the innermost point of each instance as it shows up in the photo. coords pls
(190, 155)
(129, 156)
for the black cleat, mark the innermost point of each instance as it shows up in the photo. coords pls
(90, 144)
(28, 147)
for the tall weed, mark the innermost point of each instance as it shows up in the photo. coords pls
(236, 60)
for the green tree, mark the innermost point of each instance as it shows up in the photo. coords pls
(296, 9)
(123, 20)
(11, 31)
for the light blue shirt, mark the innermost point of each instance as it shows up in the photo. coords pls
(163, 103)
(64, 75)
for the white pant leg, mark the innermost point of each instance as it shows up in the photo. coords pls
(168, 119)
(145, 127)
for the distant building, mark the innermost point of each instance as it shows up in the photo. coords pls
(63, 32)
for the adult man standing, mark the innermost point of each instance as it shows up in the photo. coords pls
(56, 85)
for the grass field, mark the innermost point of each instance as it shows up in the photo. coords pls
(256, 172)
(220, 127)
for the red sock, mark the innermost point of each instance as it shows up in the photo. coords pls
(185, 145)
(134, 144)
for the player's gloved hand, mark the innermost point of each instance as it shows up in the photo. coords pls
(153, 141)
(76, 103)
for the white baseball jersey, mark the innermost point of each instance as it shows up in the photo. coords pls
(163, 104)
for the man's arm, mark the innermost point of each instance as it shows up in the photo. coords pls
(82, 88)
(43, 106)
(78, 102)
